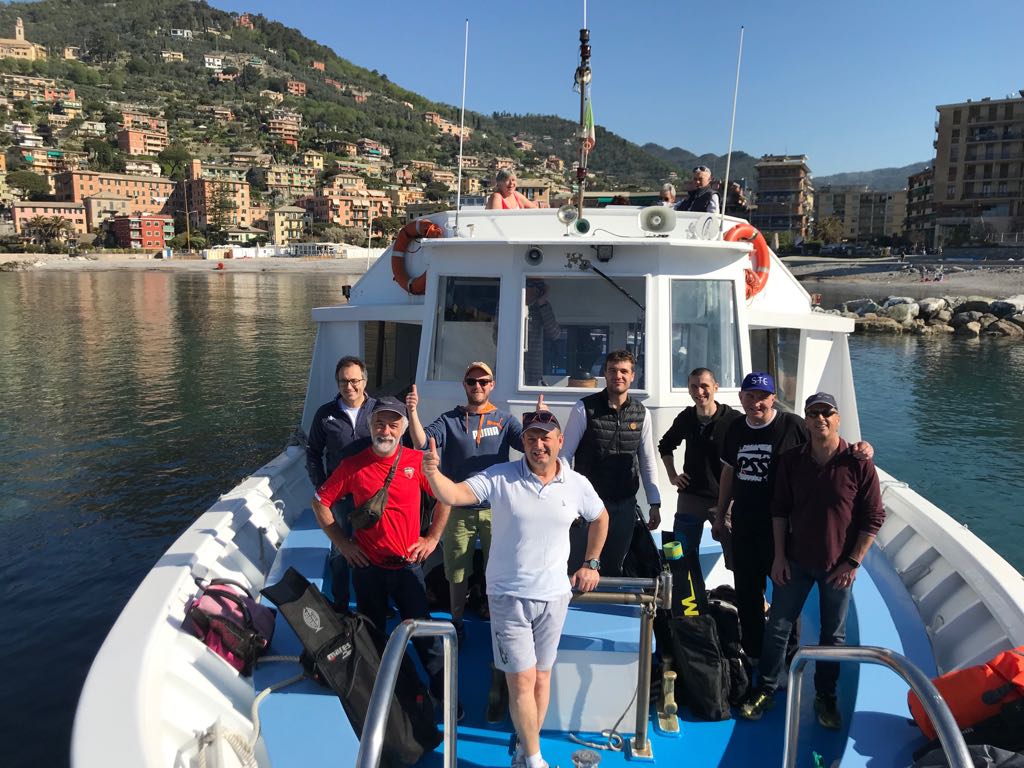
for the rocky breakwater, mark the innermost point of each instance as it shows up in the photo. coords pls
(963, 316)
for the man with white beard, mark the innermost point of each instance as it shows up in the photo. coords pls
(386, 556)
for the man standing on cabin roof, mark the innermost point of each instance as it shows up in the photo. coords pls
(340, 428)
(386, 556)
(702, 198)
(469, 438)
(609, 440)
(826, 510)
(533, 502)
(702, 426)
(750, 457)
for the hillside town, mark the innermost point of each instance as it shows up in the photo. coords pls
(123, 175)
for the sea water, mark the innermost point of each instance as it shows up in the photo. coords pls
(130, 400)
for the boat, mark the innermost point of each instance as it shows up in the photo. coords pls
(931, 597)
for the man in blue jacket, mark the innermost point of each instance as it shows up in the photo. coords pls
(340, 428)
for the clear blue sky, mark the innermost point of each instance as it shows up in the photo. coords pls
(853, 85)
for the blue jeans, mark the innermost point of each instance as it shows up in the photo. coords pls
(787, 603)
(688, 531)
(406, 587)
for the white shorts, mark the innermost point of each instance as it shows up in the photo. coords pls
(525, 633)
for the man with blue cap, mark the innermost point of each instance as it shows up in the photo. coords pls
(750, 456)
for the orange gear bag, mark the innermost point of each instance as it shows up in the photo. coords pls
(976, 693)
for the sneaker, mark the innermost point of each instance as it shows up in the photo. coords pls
(827, 711)
(756, 704)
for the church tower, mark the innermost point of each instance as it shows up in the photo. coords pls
(19, 30)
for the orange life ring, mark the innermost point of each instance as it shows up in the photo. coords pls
(760, 257)
(414, 230)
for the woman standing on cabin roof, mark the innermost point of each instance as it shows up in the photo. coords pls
(505, 196)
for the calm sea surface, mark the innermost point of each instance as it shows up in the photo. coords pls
(130, 400)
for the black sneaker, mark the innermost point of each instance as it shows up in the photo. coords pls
(827, 711)
(756, 704)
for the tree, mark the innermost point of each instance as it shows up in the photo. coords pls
(103, 156)
(829, 229)
(48, 229)
(29, 184)
(174, 161)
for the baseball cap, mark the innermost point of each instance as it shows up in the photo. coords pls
(388, 403)
(821, 398)
(544, 420)
(758, 380)
(482, 366)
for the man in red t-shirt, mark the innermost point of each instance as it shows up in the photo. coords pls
(386, 557)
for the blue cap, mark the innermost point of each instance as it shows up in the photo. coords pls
(819, 398)
(759, 381)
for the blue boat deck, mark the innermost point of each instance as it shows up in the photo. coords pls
(304, 724)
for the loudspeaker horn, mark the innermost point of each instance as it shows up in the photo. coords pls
(657, 218)
(567, 214)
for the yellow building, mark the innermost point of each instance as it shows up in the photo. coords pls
(19, 47)
(287, 224)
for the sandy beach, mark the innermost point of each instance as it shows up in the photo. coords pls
(120, 261)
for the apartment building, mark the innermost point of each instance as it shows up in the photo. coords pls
(289, 179)
(313, 159)
(920, 222)
(197, 169)
(785, 196)
(132, 141)
(273, 96)
(144, 122)
(286, 224)
(286, 126)
(36, 89)
(214, 203)
(348, 210)
(142, 168)
(403, 198)
(866, 215)
(148, 232)
(296, 87)
(537, 190)
(978, 169)
(147, 194)
(104, 207)
(172, 55)
(24, 212)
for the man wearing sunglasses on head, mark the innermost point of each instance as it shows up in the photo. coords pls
(701, 198)
(340, 428)
(533, 503)
(469, 438)
(826, 510)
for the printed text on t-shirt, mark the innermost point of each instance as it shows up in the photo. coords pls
(753, 461)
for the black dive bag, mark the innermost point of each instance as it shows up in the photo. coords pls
(343, 651)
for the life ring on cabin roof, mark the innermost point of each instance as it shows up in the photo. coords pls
(414, 230)
(760, 257)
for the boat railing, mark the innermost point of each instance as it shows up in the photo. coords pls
(372, 741)
(649, 594)
(952, 741)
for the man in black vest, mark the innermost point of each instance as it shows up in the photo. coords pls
(702, 198)
(609, 439)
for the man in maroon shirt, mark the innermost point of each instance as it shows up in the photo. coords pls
(386, 556)
(826, 510)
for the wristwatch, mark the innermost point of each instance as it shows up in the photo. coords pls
(852, 563)
(593, 564)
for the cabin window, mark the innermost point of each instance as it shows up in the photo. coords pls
(704, 331)
(390, 351)
(777, 351)
(571, 323)
(466, 327)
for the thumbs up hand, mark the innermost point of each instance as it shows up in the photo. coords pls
(540, 403)
(431, 460)
(412, 399)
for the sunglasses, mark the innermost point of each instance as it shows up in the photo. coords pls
(702, 169)
(826, 414)
(469, 381)
(539, 417)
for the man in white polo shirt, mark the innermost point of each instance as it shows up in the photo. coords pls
(533, 503)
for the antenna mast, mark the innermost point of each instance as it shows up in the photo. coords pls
(732, 128)
(582, 81)
(462, 129)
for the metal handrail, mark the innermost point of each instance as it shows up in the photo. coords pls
(953, 744)
(653, 593)
(372, 741)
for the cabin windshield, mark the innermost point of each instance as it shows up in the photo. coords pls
(571, 323)
(704, 331)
